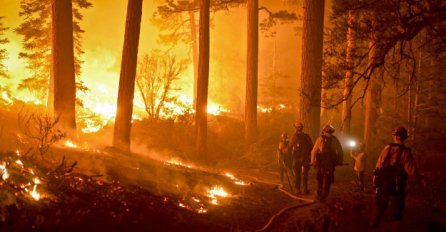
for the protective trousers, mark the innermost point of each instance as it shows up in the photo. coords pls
(396, 199)
(325, 177)
(301, 167)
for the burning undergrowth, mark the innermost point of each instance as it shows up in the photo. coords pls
(106, 189)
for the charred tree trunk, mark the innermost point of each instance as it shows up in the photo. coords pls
(63, 63)
(193, 30)
(203, 81)
(348, 88)
(251, 71)
(311, 79)
(121, 135)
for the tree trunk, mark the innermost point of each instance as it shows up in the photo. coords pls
(346, 105)
(63, 63)
(372, 102)
(251, 71)
(193, 30)
(122, 130)
(311, 79)
(203, 81)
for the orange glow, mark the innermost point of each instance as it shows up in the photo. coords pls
(34, 194)
(5, 174)
(216, 191)
(236, 180)
(70, 144)
(178, 162)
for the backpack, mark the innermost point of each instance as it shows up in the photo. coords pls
(390, 178)
(327, 156)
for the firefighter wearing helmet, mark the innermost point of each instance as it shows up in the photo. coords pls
(394, 166)
(301, 146)
(283, 155)
(327, 153)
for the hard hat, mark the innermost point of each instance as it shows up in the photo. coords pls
(328, 128)
(401, 132)
(298, 125)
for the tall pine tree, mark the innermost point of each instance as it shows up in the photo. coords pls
(311, 78)
(252, 71)
(123, 122)
(202, 82)
(36, 32)
(63, 63)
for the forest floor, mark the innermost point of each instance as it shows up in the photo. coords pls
(98, 188)
(144, 194)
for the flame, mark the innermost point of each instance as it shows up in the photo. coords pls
(218, 191)
(19, 162)
(70, 143)
(178, 162)
(201, 210)
(36, 181)
(34, 194)
(215, 109)
(236, 181)
(5, 96)
(5, 174)
(265, 109)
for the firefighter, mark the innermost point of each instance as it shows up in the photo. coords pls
(360, 158)
(301, 146)
(283, 155)
(394, 166)
(327, 153)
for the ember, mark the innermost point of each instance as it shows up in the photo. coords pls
(178, 162)
(216, 191)
(34, 194)
(236, 181)
(70, 144)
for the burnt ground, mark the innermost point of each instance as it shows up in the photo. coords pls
(145, 194)
(139, 200)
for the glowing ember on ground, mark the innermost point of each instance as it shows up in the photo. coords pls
(175, 161)
(70, 143)
(36, 180)
(202, 210)
(19, 162)
(5, 174)
(236, 181)
(34, 194)
(217, 191)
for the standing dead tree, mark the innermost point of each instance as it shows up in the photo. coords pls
(39, 132)
(155, 76)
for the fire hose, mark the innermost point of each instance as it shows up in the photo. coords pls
(280, 188)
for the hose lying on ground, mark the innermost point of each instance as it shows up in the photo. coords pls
(280, 187)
